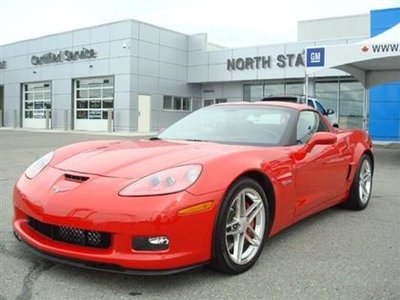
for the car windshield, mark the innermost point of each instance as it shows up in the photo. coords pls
(235, 124)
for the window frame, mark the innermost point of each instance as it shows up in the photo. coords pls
(178, 101)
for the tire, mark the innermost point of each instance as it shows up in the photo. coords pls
(240, 230)
(361, 188)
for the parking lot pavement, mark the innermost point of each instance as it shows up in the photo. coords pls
(337, 254)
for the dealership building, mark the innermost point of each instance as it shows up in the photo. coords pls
(137, 77)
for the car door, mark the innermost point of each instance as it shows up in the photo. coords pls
(320, 176)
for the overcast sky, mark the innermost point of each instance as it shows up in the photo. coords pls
(228, 23)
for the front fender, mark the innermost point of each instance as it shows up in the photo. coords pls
(362, 144)
(278, 168)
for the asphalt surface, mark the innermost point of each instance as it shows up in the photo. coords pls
(336, 254)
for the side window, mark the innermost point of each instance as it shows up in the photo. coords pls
(310, 103)
(320, 108)
(307, 124)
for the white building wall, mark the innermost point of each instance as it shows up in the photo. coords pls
(158, 68)
(334, 28)
(142, 58)
(211, 66)
(112, 59)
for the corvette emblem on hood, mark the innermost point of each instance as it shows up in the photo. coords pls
(58, 189)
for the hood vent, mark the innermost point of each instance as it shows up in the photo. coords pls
(75, 178)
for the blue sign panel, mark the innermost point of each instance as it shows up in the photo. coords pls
(315, 57)
(384, 100)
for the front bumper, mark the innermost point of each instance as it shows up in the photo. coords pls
(123, 217)
(100, 266)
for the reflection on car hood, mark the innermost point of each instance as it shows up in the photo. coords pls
(135, 159)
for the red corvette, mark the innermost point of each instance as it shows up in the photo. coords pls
(208, 190)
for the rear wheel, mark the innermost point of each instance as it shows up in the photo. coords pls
(241, 227)
(360, 191)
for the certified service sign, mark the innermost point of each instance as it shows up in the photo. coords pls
(315, 57)
(66, 55)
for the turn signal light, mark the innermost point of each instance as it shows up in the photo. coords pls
(196, 208)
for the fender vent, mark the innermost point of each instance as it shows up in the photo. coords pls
(348, 172)
(75, 178)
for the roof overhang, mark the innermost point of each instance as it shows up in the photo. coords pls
(372, 62)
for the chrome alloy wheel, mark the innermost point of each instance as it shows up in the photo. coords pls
(245, 226)
(365, 181)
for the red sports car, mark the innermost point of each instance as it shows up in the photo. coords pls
(210, 189)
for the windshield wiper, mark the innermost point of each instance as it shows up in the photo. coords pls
(156, 138)
(195, 140)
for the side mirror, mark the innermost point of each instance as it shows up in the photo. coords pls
(321, 138)
(329, 111)
(318, 138)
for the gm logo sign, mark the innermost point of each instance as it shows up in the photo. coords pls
(315, 57)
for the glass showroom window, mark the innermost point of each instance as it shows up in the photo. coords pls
(257, 91)
(186, 104)
(351, 104)
(93, 97)
(177, 103)
(294, 88)
(36, 99)
(253, 92)
(167, 104)
(196, 103)
(274, 88)
(208, 102)
(220, 100)
(327, 91)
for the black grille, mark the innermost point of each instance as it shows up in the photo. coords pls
(75, 178)
(81, 237)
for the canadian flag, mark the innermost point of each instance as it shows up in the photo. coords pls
(365, 49)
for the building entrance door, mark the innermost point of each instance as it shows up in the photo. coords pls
(144, 113)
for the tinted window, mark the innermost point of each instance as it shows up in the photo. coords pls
(320, 108)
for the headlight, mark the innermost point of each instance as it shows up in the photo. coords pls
(164, 182)
(39, 165)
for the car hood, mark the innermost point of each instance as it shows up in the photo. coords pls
(135, 159)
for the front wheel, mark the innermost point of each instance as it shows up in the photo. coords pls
(361, 188)
(241, 227)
